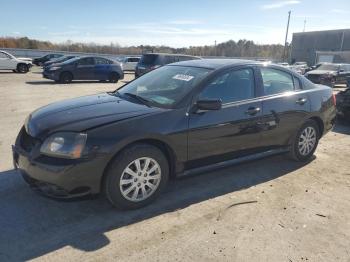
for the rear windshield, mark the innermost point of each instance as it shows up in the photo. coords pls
(148, 59)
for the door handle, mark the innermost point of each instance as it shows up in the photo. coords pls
(301, 101)
(253, 111)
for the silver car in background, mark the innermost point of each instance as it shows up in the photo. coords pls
(129, 63)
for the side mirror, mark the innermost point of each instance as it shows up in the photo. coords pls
(209, 104)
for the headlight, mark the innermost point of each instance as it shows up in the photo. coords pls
(54, 68)
(65, 145)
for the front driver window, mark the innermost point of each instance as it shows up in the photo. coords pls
(276, 81)
(86, 61)
(231, 86)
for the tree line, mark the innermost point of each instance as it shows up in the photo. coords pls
(231, 48)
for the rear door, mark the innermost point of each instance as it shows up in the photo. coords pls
(222, 134)
(85, 69)
(102, 68)
(284, 104)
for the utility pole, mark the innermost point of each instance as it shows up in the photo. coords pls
(304, 25)
(285, 41)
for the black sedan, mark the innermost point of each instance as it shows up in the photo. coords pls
(180, 119)
(329, 74)
(58, 60)
(84, 68)
(41, 60)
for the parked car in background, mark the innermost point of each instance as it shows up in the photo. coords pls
(129, 63)
(58, 60)
(329, 74)
(343, 104)
(299, 67)
(179, 119)
(314, 67)
(151, 61)
(85, 68)
(41, 60)
(9, 62)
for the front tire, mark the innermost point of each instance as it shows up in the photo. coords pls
(136, 177)
(66, 78)
(305, 142)
(22, 68)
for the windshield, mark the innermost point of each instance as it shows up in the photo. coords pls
(165, 86)
(328, 67)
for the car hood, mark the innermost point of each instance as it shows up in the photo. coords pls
(82, 113)
(320, 72)
(25, 59)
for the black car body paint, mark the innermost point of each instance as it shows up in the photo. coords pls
(189, 139)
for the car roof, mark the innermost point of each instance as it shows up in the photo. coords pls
(168, 54)
(216, 63)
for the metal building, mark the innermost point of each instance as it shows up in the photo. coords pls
(321, 46)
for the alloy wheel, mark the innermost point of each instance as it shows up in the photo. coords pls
(307, 141)
(140, 179)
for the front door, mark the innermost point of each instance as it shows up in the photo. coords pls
(6, 62)
(233, 130)
(85, 69)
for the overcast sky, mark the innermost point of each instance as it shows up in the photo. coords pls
(176, 23)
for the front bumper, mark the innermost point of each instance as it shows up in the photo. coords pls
(58, 178)
(52, 75)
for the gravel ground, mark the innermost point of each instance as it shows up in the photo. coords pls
(267, 210)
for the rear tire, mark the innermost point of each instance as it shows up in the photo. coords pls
(305, 141)
(66, 77)
(113, 78)
(136, 177)
(22, 68)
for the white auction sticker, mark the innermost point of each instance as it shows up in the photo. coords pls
(183, 77)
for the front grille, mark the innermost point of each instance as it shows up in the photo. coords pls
(314, 78)
(26, 141)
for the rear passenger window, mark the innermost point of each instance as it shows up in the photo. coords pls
(101, 61)
(276, 81)
(231, 86)
(86, 61)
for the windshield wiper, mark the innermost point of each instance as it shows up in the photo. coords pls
(139, 98)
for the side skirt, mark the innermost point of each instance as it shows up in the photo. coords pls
(235, 161)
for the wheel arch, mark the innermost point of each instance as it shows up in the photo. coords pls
(319, 123)
(66, 71)
(160, 144)
(22, 63)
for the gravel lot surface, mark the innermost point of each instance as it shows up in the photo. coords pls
(272, 209)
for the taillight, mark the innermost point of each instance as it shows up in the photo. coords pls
(334, 100)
